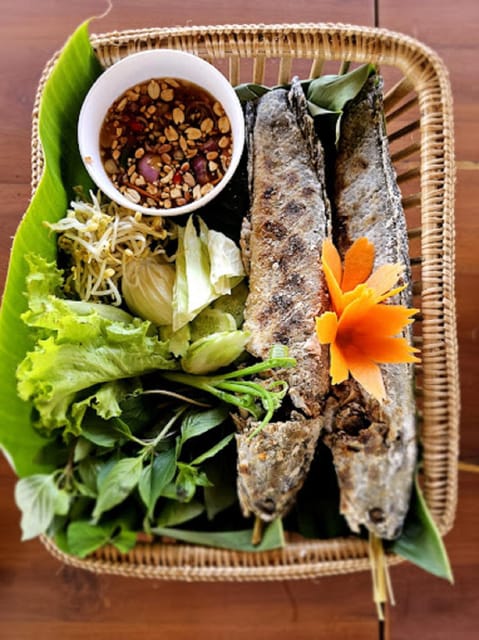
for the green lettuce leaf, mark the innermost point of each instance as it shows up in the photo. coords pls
(77, 352)
(208, 265)
(226, 264)
(67, 85)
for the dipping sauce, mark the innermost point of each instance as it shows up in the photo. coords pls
(165, 142)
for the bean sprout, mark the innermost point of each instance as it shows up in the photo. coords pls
(99, 238)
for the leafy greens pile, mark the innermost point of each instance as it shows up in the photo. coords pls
(119, 453)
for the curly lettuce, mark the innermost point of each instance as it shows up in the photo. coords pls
(79, 346)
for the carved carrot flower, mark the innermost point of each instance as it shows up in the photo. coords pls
(361, 330)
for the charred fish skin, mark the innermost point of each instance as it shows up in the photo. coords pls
(273, 465)
(373, 445)
(281, 243)
(288, 221)
(367, 196)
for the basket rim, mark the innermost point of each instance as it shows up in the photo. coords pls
(425, 69)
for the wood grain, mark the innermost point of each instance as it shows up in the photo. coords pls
(442, 611)
(41, 599)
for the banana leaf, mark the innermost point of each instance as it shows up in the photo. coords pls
(63, 94)
(273, 537)
(420, 541)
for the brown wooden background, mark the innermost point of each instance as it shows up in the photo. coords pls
(41, 599)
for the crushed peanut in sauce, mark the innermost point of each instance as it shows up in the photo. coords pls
(165, 142)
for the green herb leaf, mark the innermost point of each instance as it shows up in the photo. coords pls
(88, 469)
(62, 502)
(99, 432)
(328, 95)
(38, 499)
(83, 538)
(155, 476)
(174, 513)
(273, 537)
(117, 485)
(82, 449)
(186, 482)
(71, 78)
(196, 423)
(420, 541)
(221, 493)
(124, 541)
(214, 450)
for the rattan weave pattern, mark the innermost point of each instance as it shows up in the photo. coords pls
(420, 126)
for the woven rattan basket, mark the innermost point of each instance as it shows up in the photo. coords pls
(419, 120)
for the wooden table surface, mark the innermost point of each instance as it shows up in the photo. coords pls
(42, 599)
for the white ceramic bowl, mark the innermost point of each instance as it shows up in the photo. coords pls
(138, 68)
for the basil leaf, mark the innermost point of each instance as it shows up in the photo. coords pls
(199, 422)
(99, 432)
(88, 470)
(214, 450)
(121, 427)
(118, 484)
(273, 537)
(55, 454)
(38, 498)
(83, 538)
(103, 468)
(82, 449)
(85, 491)
(138, 411)
(155, 476)
(420, 541)
(221, 493)
(174, 513)
(124, 541)
(186, 482)
(202, 480)
(62, 502)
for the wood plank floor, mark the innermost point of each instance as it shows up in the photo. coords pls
(43, 600)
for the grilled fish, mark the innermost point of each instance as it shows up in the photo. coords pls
(281, 240)
(373, 445)
(288, 221)
(273, 465)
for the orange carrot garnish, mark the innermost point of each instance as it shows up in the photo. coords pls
(361, 330)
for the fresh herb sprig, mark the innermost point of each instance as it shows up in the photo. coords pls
(259, 397)
(110, 466)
